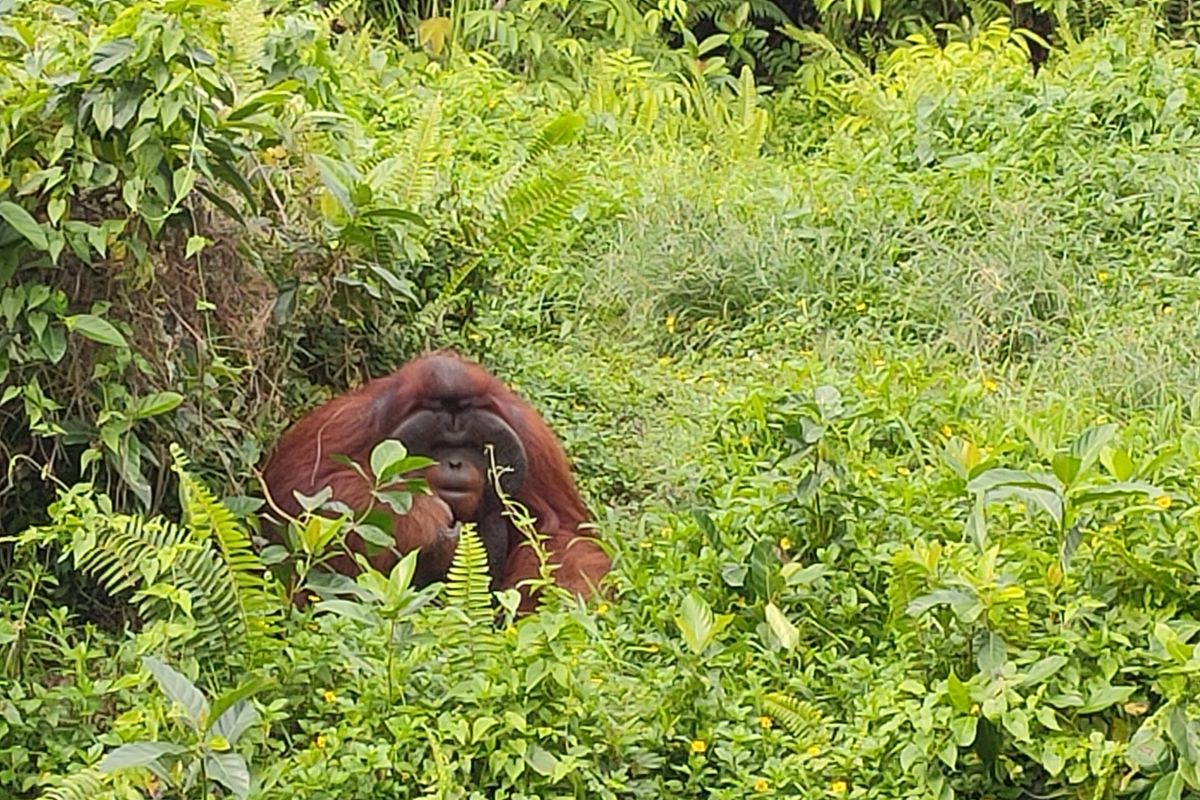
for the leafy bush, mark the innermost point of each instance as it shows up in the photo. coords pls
(892, 429)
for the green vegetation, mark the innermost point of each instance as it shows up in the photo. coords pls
(877, 364)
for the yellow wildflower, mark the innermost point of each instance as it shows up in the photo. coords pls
(699, 745)
(946, 430)
(879, 362)
(602, 609)
(670, 323)
(990, 385)
(1162, 501)
(903, 470)
(838, 787)
(860, 306)
(329, 696)
(872, 472)
(1102, 275)
(764, 722)
(785, 543)
(813, 750)
(761, 786)
(664, 360)
(320, 742)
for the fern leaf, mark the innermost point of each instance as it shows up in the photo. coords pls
(534, 208)
(211, 521)
(416, 165)
(558, 131)
(796, 716)
(83, 785)
(246, 32)
(468, 583)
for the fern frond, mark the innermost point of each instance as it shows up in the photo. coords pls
(134, 553)
(83, 785)
(468, 583)
(414, 174)
(798, 717)
(558, 131)
(210, 520)
(246, 31)
(535, 207)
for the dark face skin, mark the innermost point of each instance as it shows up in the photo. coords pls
(459, 478)
(456, 437)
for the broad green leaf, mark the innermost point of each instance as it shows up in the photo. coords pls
(229, 770)
(1146, 750)
(23, 223)
(111, 54)
(1114, 491)
(698, 624)
(1002, 476)
(1016, 722)
(1168, 787)
(1087, 447)
(194, 245)
(387, 459)
(157, 403)
(960, 698)
(963, 730)
(787, 633)
(95, 328)
(138, 754)
(1104, 697)
(1047, 500)
(179, 690)
(1052, 760)
(1043, 669)
(992, 653)
(542, 761)
(1117, 462)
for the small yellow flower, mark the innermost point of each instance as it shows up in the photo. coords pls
(990, 385)
(664, 360)
(699, 745)
(670, 323)
(903, 470)
(1021, 508)
(823, 210)
(872, 472)
(320, 741)
(1162, 501)
(761, 786)
(329, 696)
(785, 543)
(946, 430)
(764, 722)
(1102, 275)
(813, 750)
(860, 306)
(602, 609)
(879, 362)
(838, 787)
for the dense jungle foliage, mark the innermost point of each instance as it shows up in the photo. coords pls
(869, 327)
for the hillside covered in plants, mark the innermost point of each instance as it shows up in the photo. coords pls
(869, 328)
